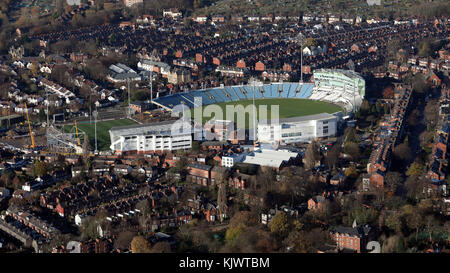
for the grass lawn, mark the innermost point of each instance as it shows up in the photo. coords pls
(288, 108)
(103, 139)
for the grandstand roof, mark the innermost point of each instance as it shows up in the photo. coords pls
(302, 118)
(349, 73)
(158, 128)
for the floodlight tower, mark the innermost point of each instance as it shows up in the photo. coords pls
(252, 82)
(95, 114)
(153, 58)
(300, 39)
(151, 85)
(129, 102)
(48, 102)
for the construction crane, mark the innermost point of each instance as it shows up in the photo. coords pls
(76, 131)
(33, 145)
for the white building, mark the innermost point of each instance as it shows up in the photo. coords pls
(158, 67)
(297, 129)
(130, 3)
(73, 2)
(345, 88)
(271, 158)
(173, 13)
(147, 138)
(231, 159)
(201, 19)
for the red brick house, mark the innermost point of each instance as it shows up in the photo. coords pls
(239, 180)
(316, 203)
(218, 174)
(377, 179)
(351, 238)
(199, 174)
(433, 79)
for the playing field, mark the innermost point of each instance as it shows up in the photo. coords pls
(103, 139)
(288, 108)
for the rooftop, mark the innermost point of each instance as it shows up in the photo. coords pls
(301, 118)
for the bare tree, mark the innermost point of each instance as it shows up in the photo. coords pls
(222, 199)
(312, 155)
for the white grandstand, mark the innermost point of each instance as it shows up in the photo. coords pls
(342, 87)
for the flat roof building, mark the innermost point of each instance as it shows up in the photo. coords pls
(152, 137)
(271, 158)
(297, 129)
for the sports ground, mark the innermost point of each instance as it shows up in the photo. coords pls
(103, 139)
(288, 108)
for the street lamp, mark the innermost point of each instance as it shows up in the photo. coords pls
(300, 39)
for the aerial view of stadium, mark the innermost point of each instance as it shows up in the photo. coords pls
(234, 134)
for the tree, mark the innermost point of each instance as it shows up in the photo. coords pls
(42, 115)
(234, 232)
(89, 228)
(402, 152)
(161, 247)
(388, 92)
(414, 187)
(430, 114)
(413, 118)
(365, 107)
(59, 7)
(312, 155)
(222, 199)
(123, 240)
(308, 242)
(352, 149)
(419, 83)
(351, 172)
(333, 156)
(40, 168)
(350, 135)
(425, 49)
(393, 45)
(144, 206)
(415, 169)
(140, 245)
(413, 217)
(393, 181)
(279, 224)
(34, 69)
(362, 215)
(394, 222)
(196, 146)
